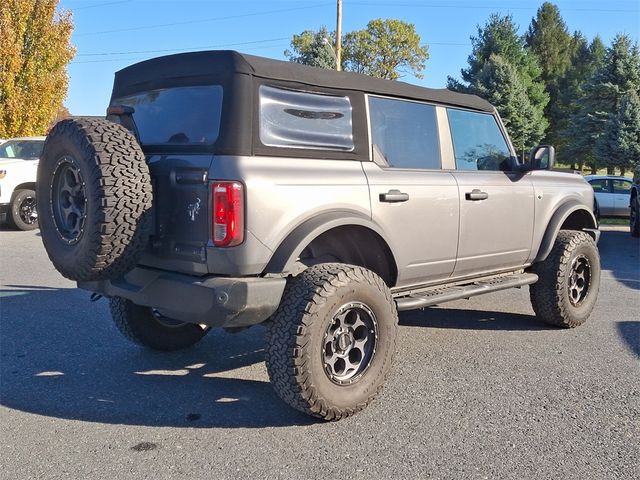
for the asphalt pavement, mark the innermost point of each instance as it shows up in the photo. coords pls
(479, 389)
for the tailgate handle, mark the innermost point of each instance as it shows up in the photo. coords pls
(475, 195)
(191, 178)
(394, 196)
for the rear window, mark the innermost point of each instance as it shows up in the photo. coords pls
(177, 116)
(404, 133)
(621, 186)
(296, 119)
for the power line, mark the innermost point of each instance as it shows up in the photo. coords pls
(203, 20)
(104, 4)
(487, 7)
(110, 60)
(198, 47)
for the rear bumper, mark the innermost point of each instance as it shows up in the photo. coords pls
(213, 301)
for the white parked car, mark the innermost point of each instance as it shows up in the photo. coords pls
(612, 194)
(18, 167)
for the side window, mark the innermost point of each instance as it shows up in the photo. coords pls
(296, 119)
(404, 134)
(600, 186)
(620, 186)
(478, 142)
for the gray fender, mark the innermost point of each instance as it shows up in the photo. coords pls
(557, 219)
(286, 255)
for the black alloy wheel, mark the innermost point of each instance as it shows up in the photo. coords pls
(350, 343)
(23, 214)
(68, 200)
(28, 212)
(579, 280)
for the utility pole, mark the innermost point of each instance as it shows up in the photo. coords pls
(339, 37)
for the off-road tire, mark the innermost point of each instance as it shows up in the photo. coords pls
(295, 339)
(634, 216)
(550, 296)
(143, 326)
(116, 189)
(15, 210)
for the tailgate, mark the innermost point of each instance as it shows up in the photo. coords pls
(181, 212)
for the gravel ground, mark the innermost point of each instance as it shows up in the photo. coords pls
(479, 389)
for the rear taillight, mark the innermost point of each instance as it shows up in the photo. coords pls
(228, 214)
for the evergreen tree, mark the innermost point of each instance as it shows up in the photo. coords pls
(619, 144)
(549, 40)
(499, 83)
(499, 37)
(618, 75)
(585, 60)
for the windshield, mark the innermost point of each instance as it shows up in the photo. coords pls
(181, 115)
(22, 149)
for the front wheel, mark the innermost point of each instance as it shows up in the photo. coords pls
(148, 328)
(569, 280)
(23, 215)
(331, 342)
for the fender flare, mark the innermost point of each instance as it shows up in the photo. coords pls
(287, 253)
(557, 219)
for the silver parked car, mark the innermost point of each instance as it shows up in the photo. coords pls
(612, 194)
(227, 190)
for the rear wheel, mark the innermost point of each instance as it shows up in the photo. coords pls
(148, 328)
(331, 343)
(22, 214)
(569, 280)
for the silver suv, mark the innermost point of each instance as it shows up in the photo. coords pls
(227, 190)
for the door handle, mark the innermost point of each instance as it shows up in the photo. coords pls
(475, 195)
(394, 196)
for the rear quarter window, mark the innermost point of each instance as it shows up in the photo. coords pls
(305, 120)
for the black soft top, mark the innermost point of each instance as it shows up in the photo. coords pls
(222, 65)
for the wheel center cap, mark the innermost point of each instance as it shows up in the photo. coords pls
(344, 341)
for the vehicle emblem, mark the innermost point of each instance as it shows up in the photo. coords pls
(194, 209)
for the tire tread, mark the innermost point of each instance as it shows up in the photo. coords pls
(288, 334)
(547, 295)
(122, 198)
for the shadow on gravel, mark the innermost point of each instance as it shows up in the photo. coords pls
(630, 333)
(620, 255)
(471, 320)
(61, 357)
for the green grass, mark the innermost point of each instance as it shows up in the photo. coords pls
(602, 171)
(614, 221)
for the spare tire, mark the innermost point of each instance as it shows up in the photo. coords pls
(95, 196)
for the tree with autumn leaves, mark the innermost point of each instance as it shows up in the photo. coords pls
(35, 49)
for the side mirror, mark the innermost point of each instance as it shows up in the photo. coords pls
(542, 157)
